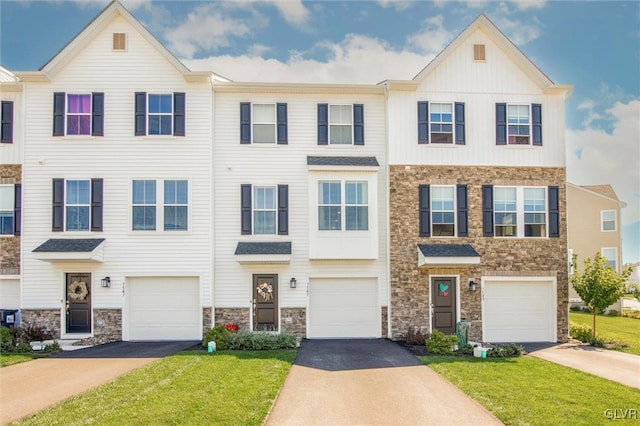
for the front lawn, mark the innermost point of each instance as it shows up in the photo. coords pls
(531, 391)
(195, 388)
(620, 329)
(10, 359)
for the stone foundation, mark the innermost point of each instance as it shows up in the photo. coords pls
(49, 319)
(298, 324)
(239, 316)
(107, 324)
(207, 324)
(385, 321)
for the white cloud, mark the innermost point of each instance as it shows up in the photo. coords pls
(519, 33)
(293, 11)
(356, 59)
(529, 4)
(257, 50)
(612, 158)
(398, 5)
(432, 38)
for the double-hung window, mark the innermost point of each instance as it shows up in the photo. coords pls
(340, 125)
(264, 210)
(443, 211)
(160, 114)
(78, 114)
(506, 212)
(608, 220)
(331, 208)
(611, 254)
(535, 217)
(6, 209)
(264, 123)
(441, 122)
(77, 205)
(519, 211)
(144, 205)
(518, 124)
(176, 205)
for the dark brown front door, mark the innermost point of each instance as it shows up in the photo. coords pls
(78, 294)
(265, 302)
(443, 302)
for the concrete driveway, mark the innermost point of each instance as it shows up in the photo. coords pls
(35, 385)
(373, 382)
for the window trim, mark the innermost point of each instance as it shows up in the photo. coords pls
(454, 211)
(275, 123)
(615, 260)
(160, 114)
(520, 212)
(529, 124)
(615, 220)
(66, 205)
(165, 204)
(11, 188)
(134, 205)
(68, 114)
(255, 209)
(329, 124)
(452, 123)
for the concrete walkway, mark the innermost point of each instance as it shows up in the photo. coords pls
(612, 365)
(372, 382)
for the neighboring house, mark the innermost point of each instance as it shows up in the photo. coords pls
(594, 226)
(477, 194)
(11, 140)
(159, 201)
(635, 273)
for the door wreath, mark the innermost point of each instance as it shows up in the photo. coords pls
(265, 290)
(78, 290)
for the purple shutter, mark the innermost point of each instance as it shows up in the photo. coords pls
(96, 204)
(323, 124)
(141, 114)
(283, 209)
(58, 206)
(179, 108)
(58, 114)
(424, 205)
(487, 210)
(463, 228)
(501, 124)
(358, 124)
(536, 113)
(17, 209)
(554, 211)
(459, 110)
(245, 209)
(97, 114)
(423, 122)
(283, 133)
(245, 122)
(7, 122)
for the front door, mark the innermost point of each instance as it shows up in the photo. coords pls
(78, 294)
(265, 302)
(443, 304)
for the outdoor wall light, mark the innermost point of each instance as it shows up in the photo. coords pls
(472, 285)
(105, 282)
(293, 283)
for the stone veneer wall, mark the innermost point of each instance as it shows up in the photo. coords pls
(207, 323)
(385, 322)
(49, 319)
(298, 324)
(107, 324)
(10, 174)
(239, 316)
(499, 256)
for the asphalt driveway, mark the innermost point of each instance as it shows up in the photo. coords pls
(35, 385)
(372, 382)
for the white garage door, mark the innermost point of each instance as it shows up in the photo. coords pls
(164, 308)
(346, 307)
(519, 311)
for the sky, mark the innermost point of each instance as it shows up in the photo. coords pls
(592, 45)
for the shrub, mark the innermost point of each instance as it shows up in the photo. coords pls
(631, 314)
(261, 340)
(218, 334)
(23, 348)
(414, 337)
(504, 351)
(6, 340)
(580, 332)
(466, 350)
(440, 343)
(575, 308)
(52, 347)
(31, 333)
(613, 313)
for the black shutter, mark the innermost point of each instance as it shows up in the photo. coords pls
(463, 228)
(96, 204)
(245, 209)
(501, 124)
(17, 209)
(554, 212)
(487, 210)
(97, 114)
(283, 209)
(58, 205)
(323, 124)
(424, 204)
(141, 114)
(459, 109)
(358, 124)
(179, 108)
(7, 122)
(283, 133)
(245, 123)
(423, 122)
(536, 113)
(58, 114)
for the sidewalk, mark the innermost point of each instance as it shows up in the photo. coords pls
(612, 365)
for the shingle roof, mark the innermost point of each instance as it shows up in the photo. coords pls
(342, 161)
(605, 190)
(58, 245)
(448, 250)
(263, 248)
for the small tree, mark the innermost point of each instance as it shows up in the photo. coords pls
(599, 285)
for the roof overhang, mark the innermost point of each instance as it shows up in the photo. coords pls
(447, 255)
(263, 252)
(71, 250)
(302, 88)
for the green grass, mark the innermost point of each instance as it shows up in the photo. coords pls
(620, 329)
(531, 391)
(195, 388)
(11, 359)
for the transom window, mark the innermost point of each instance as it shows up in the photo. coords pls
(77, 205)
(176, 207)
(144, 205)
(331, 208)
(340, 124)
(608, 220)
(6, 209)
(535, 217)
(264, 210)
(160, 114)
(518, 124)
(443, 211)
(264, 123)
(78, 114)
(441, 122)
